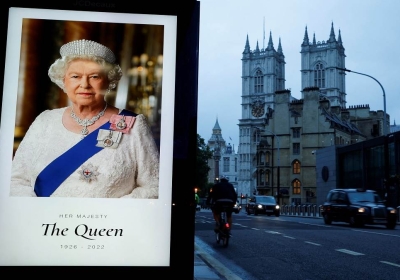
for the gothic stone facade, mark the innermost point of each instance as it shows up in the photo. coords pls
(280, 133)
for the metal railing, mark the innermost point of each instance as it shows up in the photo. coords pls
(309, 210)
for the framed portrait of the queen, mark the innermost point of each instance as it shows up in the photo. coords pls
(93, 127)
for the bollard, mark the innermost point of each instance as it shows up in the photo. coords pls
(314, 210)
(398, 214)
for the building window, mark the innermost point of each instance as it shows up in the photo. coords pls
(262, 158)
(236, 164)
(296, 186)
(262, 177)
(319, 76)
(296, 148)
(296, 167)
(267, 158)
(226, 164)
(258, 82)
(256, 136)
(296, 132)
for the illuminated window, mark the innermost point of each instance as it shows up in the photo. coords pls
(296, 186)
(296, 167)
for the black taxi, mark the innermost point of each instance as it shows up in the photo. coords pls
(357, 207)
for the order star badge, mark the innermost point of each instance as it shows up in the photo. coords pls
(88, 173)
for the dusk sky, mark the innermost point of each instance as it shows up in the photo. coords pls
(370, 31)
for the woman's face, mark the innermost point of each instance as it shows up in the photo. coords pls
(85, 82)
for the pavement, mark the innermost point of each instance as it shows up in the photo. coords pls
(207, 267)
(203, 269)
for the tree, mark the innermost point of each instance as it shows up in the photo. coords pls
(203, 155)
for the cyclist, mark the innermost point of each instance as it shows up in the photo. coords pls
(222, 190)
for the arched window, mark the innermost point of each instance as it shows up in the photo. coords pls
(296, 186)
(258, 82)
(296, 167)
(319, 76)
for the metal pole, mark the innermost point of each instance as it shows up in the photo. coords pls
(278, 170)
(384, 96)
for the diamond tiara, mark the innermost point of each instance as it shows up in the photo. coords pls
(87, 47)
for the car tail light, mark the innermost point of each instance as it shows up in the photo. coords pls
(227, 225)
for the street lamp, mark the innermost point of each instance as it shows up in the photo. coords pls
(217, 157)
(384, 96)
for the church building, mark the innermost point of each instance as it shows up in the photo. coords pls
(279, 134)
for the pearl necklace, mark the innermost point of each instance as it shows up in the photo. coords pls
(86, 122)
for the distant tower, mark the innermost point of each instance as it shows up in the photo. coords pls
(224, 161)
(263, 73)
(318, 67)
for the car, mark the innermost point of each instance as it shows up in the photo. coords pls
(237, 207)
(357, 207)
(262, 204)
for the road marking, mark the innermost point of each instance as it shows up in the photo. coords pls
(289, 237)
(389, 263)
(349, 252)
(255, 228)
(393, 235)
(318, 225)
(312, 243)
(272, 232)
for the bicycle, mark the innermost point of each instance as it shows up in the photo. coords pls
(223, 233)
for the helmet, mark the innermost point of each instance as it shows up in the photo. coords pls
(223, 177)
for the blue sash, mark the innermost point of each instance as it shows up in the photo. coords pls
(62, 167)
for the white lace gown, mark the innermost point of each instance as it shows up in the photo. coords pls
(129, 171)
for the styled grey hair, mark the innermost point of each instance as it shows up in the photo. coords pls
(58, 69)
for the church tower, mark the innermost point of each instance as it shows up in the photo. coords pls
(263, 73)
(224, 160)
(319, 60)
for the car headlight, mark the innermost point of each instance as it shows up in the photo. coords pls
(259, 206)
(393, 211)
(361, 210)
(276, 207)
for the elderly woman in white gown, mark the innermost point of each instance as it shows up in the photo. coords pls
(88, 149)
